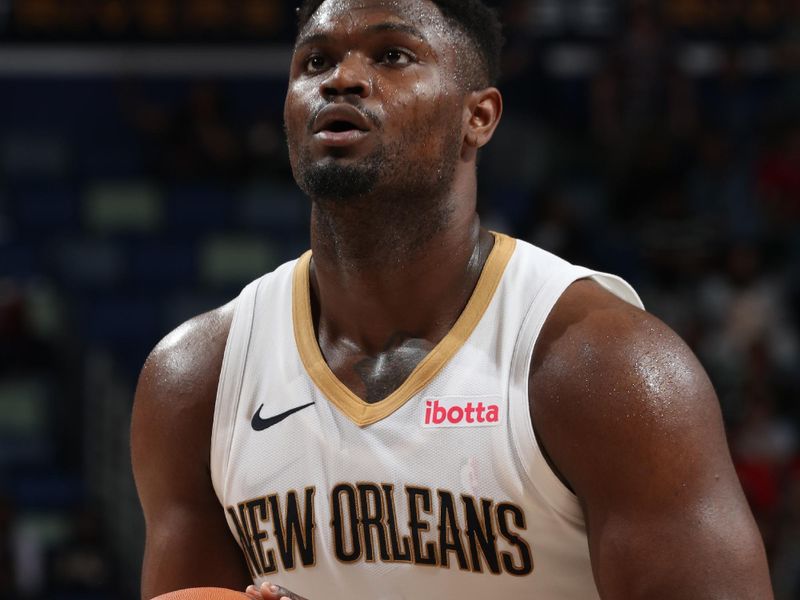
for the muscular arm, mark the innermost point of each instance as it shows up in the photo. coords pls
(188, 542)
(631, 422)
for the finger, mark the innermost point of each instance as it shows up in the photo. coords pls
(253, 593)
(276, 592)
(271, 592)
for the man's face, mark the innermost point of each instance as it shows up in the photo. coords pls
(374, 103)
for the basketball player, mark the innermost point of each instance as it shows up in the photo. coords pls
(421, 408)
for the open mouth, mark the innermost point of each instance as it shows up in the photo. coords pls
(341, 127)
(340, 133)
(341, 119)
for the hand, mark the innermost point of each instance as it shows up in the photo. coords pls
(269, 591)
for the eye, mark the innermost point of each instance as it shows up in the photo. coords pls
(316, 63)
(397, 57)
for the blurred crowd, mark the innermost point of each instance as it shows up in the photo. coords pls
(658, 141)
(673, 158)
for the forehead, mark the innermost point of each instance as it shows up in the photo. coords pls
(348, 16)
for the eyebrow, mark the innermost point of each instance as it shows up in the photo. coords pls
(387, 27)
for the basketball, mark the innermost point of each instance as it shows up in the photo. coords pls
(204, 593)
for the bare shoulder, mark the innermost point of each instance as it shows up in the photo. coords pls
(177, 387)
(170, 451)
(630, 421)
(606, 355)
(612, 375)
(175, 396)
(189, 358)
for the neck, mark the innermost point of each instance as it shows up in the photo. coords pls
(403, 273)
(355, 239)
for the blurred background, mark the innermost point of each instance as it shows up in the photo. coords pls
(144, 179)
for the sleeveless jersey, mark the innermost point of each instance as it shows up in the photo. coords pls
(440, 491)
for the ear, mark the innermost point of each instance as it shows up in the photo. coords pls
(483, 110)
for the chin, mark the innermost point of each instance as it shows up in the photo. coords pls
(335, 180)
(338, 178)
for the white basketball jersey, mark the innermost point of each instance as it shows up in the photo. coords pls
(439, 491)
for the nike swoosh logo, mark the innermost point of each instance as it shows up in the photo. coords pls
(260, 424)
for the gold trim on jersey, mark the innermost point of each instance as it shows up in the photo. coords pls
(363, 413)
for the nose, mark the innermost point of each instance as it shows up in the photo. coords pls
(349, 78)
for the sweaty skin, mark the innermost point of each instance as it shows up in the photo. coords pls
(624, 411)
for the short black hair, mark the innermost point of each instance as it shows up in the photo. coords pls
(477, 21)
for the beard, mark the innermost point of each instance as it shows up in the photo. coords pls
(391, 172)
(332, 181)
(387, 204)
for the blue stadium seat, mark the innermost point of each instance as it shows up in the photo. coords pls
(232, 260)
(87, 263)
(24, 419)
(273, 207)
(43, 206)
(18, 260)
(123, 206)
(163, 263)
(117, 320)
(194, 208)
(40, 489)
(113, 157)
(29, 154)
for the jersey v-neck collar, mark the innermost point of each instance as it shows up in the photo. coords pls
(365, 413)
